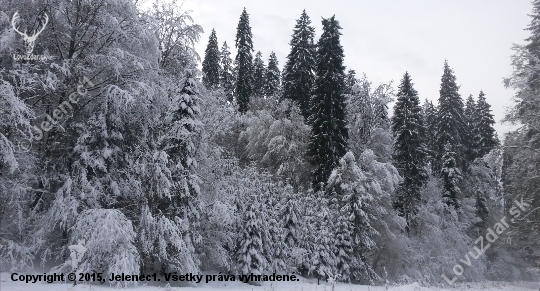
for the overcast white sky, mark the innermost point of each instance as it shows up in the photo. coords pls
(385, 38)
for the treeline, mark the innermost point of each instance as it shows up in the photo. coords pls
(243, 168)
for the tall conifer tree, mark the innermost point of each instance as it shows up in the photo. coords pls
(430, 116)
(210, 65)
(226, 76)
(259, 72)
(329, 134)
(244, 58)
(409, 149)
(450, 119)
(298, 74)
(470, 116)
(485, 137)
(272, 80)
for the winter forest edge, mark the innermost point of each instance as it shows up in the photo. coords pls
(163, 160)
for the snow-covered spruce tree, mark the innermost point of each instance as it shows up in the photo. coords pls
(293, 230)
(323, 256)
(211, 64)
(226, 75)
(521, 158)
(259, 73)
(469, 115)
(299, 70)
(430, 115)
(250, 254)
(450, 120)
(485, 137)
(350, 82)
(329, 132)
(272, 79)
(361, 190)
(367, 119)
(244, 58)
(409, 150)
(451, 176)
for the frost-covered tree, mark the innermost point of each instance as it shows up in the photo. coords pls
(299, 70)
(361, 190)
(367, 119)
(211, 63)
(244, 58)
(409, 149)
(485, 137)
(250, 253)
(430, 115)
(450, 120)
(329, 132)
(259, 73)
(451, 176)
(323, 255)
(469, 115)
(521, 159)
(272, 80)
(226, 75)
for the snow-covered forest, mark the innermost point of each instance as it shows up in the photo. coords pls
(157, 158)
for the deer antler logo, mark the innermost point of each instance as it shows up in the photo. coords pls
(29, 40)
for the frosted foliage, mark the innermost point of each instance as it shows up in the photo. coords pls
(367, 118)
(167, 241)
(110, 243)
(278, 142)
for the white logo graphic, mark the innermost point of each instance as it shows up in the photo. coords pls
(29, 40)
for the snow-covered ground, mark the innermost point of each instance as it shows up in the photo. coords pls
(303, 285)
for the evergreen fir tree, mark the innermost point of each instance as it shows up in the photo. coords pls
(485, 137)
(450, 120)
(323, 264)
(259, 72)
(226, 76)
(430, 115)
(329, 133)
(250, 254)
(210, 65)
(272, 81)
(470, 116)
(344, 247)
(350, 81)
(244, 58)
(451, 176)
(299, 71)
(409, 150)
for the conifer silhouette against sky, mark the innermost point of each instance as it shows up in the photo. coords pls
(386, 38)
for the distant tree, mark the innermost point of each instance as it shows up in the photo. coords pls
(226, 76)
(244, 58)
(430, 115)
(272, 81)
(329, 133)
(450, 119)
(299, 70)
(211, 63)
(409, 149)
(470, 116)
(259, 72)
(350, 81)
(485, 137)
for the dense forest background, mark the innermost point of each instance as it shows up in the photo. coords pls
(120, 140)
